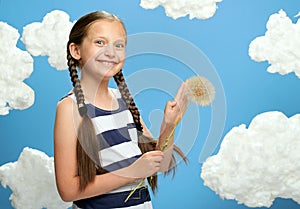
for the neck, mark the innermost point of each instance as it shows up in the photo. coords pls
(94, 90)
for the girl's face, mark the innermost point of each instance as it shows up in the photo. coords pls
(102, 52)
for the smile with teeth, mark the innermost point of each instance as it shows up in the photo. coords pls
(108, 63)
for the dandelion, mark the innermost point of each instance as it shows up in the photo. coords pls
(202, 92)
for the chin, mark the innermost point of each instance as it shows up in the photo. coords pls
(111, 72)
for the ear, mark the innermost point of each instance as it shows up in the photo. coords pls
(75, 51)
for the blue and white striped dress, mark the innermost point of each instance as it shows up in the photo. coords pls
(119, 149)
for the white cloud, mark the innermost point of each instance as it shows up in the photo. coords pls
(15, 66)
(280, 45)
(256, 165)
(201, 9)
(32, 181)
(49, 38)
(297, 15)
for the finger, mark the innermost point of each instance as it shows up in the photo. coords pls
(157, 159)
(183, 103)
(156, 164)
(182, 97)
(170, 105)
(180, 92)
(156, 153)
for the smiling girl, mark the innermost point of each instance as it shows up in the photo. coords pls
(102, 148)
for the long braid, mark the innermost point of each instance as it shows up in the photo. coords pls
(146, 144)
(72, 63)
(119, 78)
(87, 140)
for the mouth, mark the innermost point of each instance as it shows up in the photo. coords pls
(108, 63)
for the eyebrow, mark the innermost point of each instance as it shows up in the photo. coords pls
(118, 39)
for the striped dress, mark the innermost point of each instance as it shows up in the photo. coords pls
(118, 149)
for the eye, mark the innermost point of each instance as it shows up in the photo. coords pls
(101, 42)
(120, 45)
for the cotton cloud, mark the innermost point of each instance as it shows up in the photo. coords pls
(15, 66)
(49, 38)
(32, 181)
(256, 165)
(280, 45)
(201, 9)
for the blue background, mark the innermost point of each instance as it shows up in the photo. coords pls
(224, 39)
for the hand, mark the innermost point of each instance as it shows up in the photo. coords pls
(147, 165)
(174, 110)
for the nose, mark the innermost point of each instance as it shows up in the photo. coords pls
(109, 51)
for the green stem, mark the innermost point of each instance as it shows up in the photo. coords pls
(131, 193)
(167, 140)
(165, 145)
(162, 149)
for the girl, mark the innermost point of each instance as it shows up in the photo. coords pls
(102, 148)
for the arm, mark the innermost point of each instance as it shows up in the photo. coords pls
(164, 133)
(65, 139)
(174, 111)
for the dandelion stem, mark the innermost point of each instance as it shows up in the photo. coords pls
(165, 145)
(167, 140)
(131, 193)
(202, 93)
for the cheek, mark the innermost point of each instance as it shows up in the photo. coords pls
(118, 67)
(88, 57)
(121, 55)
(120, 64)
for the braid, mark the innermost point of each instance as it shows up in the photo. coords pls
(72, 63)
(87, 139)
(119, 79)
(145, 143)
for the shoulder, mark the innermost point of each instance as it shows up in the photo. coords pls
(67, 115)
(67, 102)
(70, 94)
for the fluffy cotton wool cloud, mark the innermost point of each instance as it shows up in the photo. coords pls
(32, 181)
(49, 38)
(201, 9)
(280, 45)
(256, 165)
(15, 66)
